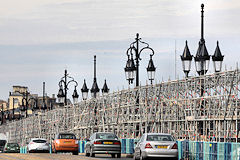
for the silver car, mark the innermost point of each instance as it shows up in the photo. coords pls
(156, 145)
(38, 145)
(103, 143)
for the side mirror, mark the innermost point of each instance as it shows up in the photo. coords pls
(135, 142)
(87, 139)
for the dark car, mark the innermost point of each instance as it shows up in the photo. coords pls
(103, 143)
(2, 144)
(11, 148)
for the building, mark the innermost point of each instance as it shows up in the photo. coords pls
(22, 103)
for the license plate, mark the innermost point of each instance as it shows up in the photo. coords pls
(39, 149)
(164, 147)
(107, 142)
(67, 142)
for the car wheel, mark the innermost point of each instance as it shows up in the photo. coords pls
(87, 154)
(75, 153)
(113, 155)
(91, 153)
(135, 157)
(141, 157)
(119, 155)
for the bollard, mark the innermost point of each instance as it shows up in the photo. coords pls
(50, 148)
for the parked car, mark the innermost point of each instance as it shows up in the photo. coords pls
(11, 148)
(158, 145)
(38, 145)
(65, 142)
(103, 143)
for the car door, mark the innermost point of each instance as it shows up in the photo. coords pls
(138, 147)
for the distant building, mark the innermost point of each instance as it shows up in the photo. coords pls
(21, 99)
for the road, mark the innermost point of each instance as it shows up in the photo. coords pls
(46, 156)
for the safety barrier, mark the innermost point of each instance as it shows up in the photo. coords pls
(193, 150)
(190, 150)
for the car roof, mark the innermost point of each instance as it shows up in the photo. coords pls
(158, 134)
(38, 139)
(105, 132)
(65, 133)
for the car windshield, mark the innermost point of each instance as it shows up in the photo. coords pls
(12, 145)
(67, 136)
(39, 141)
(106, 136)
(159, 138)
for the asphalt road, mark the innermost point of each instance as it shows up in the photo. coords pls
(46, 156)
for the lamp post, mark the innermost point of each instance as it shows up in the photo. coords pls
(202, 60)
(94, 90)
(2, 115)
(202, 57)
(63, 87)
(27, 100)
(132, 70)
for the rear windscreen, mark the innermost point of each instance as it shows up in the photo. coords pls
(159, 138)
(67, 136)
(12, 145)
(106, 136)
(39, 141)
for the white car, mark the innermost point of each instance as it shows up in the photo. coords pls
(38, 145)
(157, 145)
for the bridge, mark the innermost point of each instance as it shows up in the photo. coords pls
(204, 108)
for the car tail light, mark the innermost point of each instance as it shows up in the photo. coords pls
(76, 141)
(117, 143)
(148, 145)
(97, 142)
(175, 146)
(31, 143)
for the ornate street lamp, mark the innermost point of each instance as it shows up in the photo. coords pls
(75, 95)
(202, 57)
(217, 59)
(131, 69)
(105, 88)
(61, 95)
(63, 87)
(186, 58)
(84, 91)
(151, 70)
(95, 90)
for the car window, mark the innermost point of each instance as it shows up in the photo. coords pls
(159, 138)
(106, 136)
(12, 145)
(67, 136)
(39, 141)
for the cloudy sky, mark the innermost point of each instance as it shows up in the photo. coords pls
(39, 39)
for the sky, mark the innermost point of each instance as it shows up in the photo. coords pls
(40, 39)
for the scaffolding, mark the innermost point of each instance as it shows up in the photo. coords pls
(204, 108)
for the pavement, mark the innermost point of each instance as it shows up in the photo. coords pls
(47, 156)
